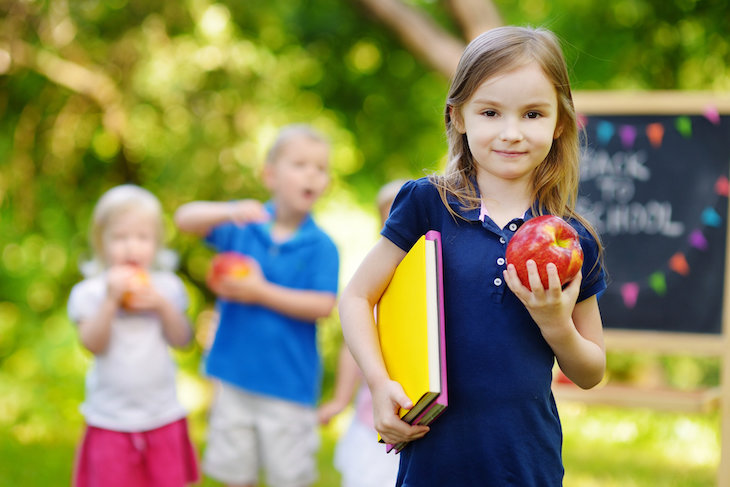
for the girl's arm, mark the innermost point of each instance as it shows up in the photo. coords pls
(573, 330)
(347, 380)
(200, 217)
(358, 325)
(175, 324)
(95, 331)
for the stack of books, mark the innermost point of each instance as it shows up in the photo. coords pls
(411, 326)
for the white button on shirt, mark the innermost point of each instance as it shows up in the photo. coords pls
(497, 281)
(500, 261)
(513, 226)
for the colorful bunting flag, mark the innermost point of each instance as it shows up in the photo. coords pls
(698, 240)
(711, 218)
(604, 132)
(712, 114)
(658, 283)
(678, 263)
(630, 294)
(722, 185)
(684, 126)
(655, 134)
(628, 136)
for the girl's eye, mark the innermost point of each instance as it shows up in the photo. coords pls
(489, 113)
(532, 114)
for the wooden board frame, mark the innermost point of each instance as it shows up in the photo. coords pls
(671, 103)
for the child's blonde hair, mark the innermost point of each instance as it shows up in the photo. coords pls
(555, 181)
(116, 201)
(289, 132)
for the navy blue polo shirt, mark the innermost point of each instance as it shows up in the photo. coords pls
(259, 349)
(502, 426)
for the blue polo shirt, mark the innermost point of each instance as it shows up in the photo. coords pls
(502, 426)
(261, 350)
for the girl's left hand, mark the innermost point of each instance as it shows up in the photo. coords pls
(551, 308)
(141, 295)
(146, 299)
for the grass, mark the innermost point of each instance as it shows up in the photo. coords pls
(610, 447)
(604, 447)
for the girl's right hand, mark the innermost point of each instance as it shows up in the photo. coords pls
(117, 281)
(388, 399)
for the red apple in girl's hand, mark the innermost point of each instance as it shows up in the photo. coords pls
(139, 280)
(230, 264)
(546, 239)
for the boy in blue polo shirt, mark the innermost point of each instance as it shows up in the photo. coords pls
(265, 351)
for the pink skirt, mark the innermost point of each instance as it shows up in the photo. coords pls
(162, 457)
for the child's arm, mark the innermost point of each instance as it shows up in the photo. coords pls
(346, 381)
(175, 325)
(305, 305)
(199, 217)
(95, 331)
(573, 330)
(358, 325)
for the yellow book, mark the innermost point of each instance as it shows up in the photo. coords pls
(410, 319)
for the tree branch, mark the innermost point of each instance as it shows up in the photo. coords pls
(475, 16)
(97, 86)
(419, 33)
(426, 39)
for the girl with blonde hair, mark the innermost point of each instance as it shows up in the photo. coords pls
(128, 314)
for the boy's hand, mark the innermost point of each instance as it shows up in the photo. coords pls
(248, 211)
(242, 289)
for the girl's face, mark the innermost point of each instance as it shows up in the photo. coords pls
(130, 238)
(299, 175)
(510, 122)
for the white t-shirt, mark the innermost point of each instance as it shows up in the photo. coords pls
(131, 385)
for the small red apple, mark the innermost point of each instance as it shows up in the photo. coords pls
(139, 280)
(545, 239)
(231, 264)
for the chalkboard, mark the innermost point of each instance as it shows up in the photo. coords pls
(656, 188)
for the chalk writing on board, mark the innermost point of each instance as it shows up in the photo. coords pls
(614, 212)
(656, 188)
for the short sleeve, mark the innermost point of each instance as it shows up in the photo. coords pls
(221, 237)
(409, 214)
(172, 288)
(594, 276)
(85, 299)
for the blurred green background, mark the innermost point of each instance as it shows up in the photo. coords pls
(184, 96)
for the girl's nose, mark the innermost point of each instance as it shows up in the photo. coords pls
(131, 247)
(511, 131)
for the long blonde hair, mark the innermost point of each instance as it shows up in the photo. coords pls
(555, 181)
